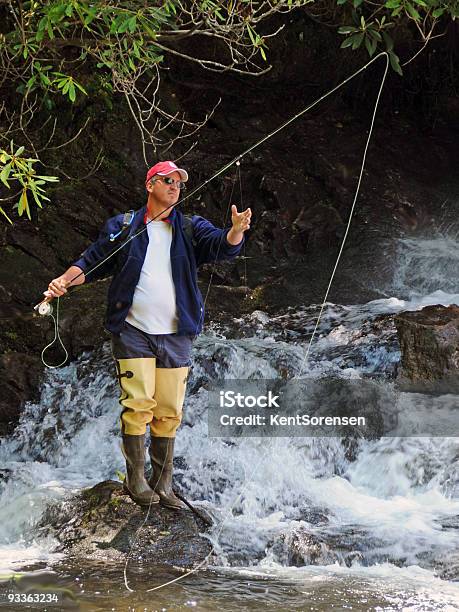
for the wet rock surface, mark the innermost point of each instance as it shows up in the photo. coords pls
(429, 341)
(103, 523)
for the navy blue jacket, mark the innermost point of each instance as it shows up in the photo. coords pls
(209, 245)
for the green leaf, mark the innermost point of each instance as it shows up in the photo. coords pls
(348, 42)
(44, 79)
(120, 475)
(80, 87)
(150, 31)
(262, 53)
(395, 63)
(124, 26)
(5, 215)
(251, 34)
(392, 4)
(5, 174)
(31, 82)
(56, 13)
(358, 38)
(412, 11)
(339, 2)
(42, 23)
(389, 42)
(72, 94)
(438, 12)
(375, 35)
(35, 195)
(21, 165)
(90, 16)
(51, 179)
(347, 29)
(132, 24)
(115, 23)
(371, 46)
(357, 3)
(23, 204)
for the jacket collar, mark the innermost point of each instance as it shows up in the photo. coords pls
(169, 219)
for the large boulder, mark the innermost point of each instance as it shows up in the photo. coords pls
(103, 523)
(429, 342)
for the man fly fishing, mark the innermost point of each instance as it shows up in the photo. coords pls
(154, 311)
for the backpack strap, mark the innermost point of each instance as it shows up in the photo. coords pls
(127, 220)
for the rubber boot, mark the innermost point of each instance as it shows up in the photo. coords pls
(162, 456)
(135, 484)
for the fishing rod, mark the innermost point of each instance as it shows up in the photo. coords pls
(44, 306)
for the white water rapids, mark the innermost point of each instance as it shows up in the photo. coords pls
(392, 514)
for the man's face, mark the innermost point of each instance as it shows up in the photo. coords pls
(165, 189)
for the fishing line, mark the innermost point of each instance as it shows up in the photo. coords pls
(225, 167)
(218, 251)
(57, 336)
(351, 214)
(264, 455)
(238, 164)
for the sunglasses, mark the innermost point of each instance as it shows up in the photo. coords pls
(167, 180)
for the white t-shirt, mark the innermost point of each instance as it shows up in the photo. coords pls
(153, 307)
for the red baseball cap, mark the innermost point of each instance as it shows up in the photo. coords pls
(164, 168)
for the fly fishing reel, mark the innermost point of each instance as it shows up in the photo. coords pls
(44, 309)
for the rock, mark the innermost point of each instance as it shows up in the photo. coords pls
(429, 342)
(258, 317)
(305, 548)
(104, 523)
(21, 375)
(224, 301)
(302, 547)
(448, 567)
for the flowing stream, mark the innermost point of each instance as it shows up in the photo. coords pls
(381, 523)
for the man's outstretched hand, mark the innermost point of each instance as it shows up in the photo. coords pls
(241, 223)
